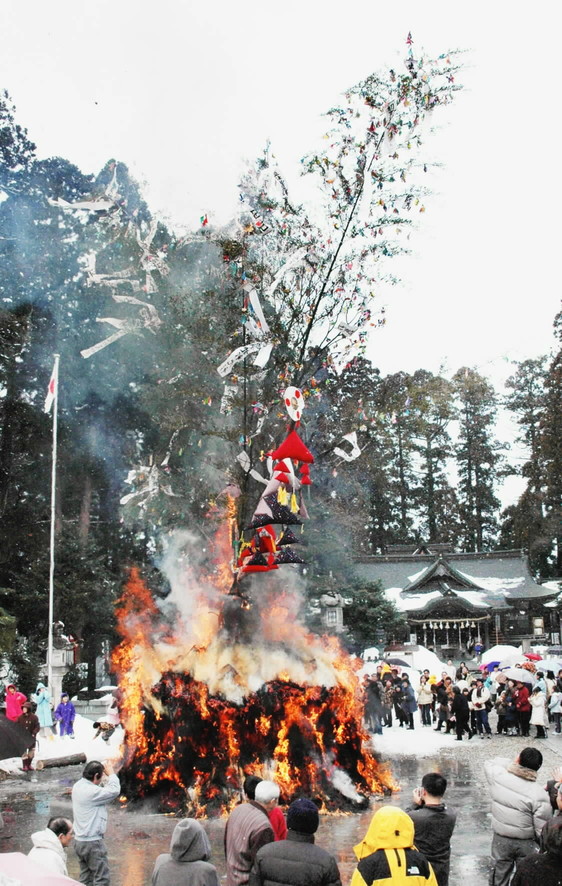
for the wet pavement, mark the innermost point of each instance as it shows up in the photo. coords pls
(134, 839)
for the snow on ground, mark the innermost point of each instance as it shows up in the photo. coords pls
(83, 743)
(422, 741)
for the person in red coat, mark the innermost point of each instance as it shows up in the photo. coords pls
(14, 701)
(523, 708)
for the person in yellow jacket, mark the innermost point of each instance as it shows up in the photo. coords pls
(387, 853)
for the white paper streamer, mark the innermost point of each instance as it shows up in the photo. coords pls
(237, 355)
(355, 450)
(244, 460)
(148, 319)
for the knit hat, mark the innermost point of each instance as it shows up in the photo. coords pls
(302, 816)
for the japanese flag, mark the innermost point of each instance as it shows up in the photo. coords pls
(52, 389)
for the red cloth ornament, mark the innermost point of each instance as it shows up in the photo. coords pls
(258, 563)
(306, 481)
(294, 448)
(266, 539)
(283, 478)
(304, 469)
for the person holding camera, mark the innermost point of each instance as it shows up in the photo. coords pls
(89, 806)
(434, 824)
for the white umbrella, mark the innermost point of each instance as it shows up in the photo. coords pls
(514, 658)
(549, 664)
(520, 674)
(497, 653)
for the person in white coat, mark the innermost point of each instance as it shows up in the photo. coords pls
(50, 844)
(520, 809)
(555, 708)
(480, 699)
(539, 717)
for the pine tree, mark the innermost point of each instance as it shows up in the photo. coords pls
(478, 458)
(551, 448)
(431, 402)
(523, 524)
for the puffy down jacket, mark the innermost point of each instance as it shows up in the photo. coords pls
(520, 806)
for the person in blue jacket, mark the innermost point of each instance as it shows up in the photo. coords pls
(65, 715)
(42, 699)
(408, 702)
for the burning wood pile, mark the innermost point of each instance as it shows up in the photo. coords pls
(220, 689)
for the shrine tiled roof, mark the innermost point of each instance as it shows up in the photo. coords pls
(483, 581)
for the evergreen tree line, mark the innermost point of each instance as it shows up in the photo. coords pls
(149, 433)
(431, 465)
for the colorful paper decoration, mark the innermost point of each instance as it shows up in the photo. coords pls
(294, 402)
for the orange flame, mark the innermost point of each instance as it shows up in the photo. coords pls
(204, 708)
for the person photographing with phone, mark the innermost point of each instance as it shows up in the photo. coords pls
(89, 801)
(434, 824)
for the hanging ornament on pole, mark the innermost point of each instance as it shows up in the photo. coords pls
(294, 402)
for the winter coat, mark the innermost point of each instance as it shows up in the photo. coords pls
(295, 861)
(460, 708)
(373, 701)
(538, 703)
(48, 852)
(544, 868)
(408, 701)
(555, 702)
(425, 695)
(30, 722)
(479, 701)
(187, 862)
(42, 699)
(278, 823)
(111, 715)
(387, 854)
(14, 701)
(522, 699)
(247, 829)
(501, 705)
(520, 806)
(433, 828)
(65, 713)
(388, 696)
(89, 802)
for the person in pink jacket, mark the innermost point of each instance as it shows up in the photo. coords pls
(14, 701)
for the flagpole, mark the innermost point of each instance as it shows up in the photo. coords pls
(53, 517)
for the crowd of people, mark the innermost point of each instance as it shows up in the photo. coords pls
(461, 701)
(265, 847)
(42, 720)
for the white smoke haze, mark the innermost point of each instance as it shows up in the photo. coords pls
(343, 783)
(271, 644)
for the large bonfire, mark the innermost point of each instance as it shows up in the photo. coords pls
(215, 688)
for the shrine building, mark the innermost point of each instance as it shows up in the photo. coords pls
(452, 600)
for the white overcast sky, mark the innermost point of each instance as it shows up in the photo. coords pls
(184, 92)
